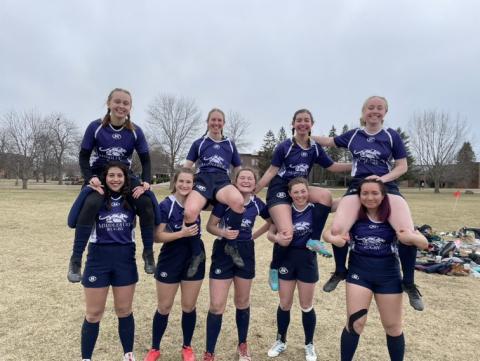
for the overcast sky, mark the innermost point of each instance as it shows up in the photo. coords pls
(263, 59)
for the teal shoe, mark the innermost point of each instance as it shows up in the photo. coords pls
(273, 279)
(318, 246)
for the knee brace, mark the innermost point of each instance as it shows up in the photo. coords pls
(353, 317)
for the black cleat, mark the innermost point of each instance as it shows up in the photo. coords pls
(74, 274)
(195, 263)
(233, 252)
(334, 280)
(414, 296)
(147, 256)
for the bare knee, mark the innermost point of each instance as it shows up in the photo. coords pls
(190, 215)
(123, 311)
(306, 306)
(94, 316)
(356, 321)
(286, 305)
(187, 306)
(217, 308)
(237, 205)
(359, 325)
(242, 302)
(393, 329)
(164, 308)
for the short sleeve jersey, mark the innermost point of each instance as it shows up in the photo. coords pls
(369, 238)
(109, 144)
(295, 161)
(302, 225)
(372, 153)
(115, 225)
(255, 207)
(171, 213)
(214, 156)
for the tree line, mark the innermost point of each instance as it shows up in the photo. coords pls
(46, 147)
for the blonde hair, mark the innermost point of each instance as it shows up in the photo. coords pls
(106, 119)
(177, 174)
(362, 121)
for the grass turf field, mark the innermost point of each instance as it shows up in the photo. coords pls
(42, 313)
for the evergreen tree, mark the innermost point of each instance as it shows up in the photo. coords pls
(411, 174)
(466, 154)
(266, 152)
(334, 152)
(282, 135)
(464, 170)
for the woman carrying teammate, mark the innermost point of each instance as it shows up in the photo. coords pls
(223, 270)
(373, 147)
(297, 268)
(373, 269)
(214, 154)
(293, 158)
(113, 138)
(111, 262)
(172, 267)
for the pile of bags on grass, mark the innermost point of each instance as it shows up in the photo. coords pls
(451, 253)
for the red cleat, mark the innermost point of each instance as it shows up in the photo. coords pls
(207, 356)
(187, 354)
(152, 355)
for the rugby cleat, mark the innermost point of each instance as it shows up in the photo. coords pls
(310, 354)
(318, 246)
(74, 274)
(128, 357)
(414, 296)
(233, 252)
(277, 348)
(195, 263)
(273, 279)
(147, 256)
(244, 352)
(152, 355)
(207, 356)
(334, 280)
(188, 354)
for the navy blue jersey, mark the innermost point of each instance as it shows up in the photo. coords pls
(109, 144)
(115, 225)
(255, 207)
(372, 153)
(302, 225)
(213, 156)
(295, 161)
(371, 238)
(171, 213)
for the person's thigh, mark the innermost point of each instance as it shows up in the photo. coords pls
(95, 300)
(390, 309)
(285, 293)
(190, 291)
(165, 296)
(242, 288)
(305, 294)
(219, 294)
(123, 299)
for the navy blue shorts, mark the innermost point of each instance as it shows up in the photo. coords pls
(298, 264)
(392, 187)
(110, 264)
(208, 184)
(222, 266)
(173, 262)
(378, 274)
(277, 192)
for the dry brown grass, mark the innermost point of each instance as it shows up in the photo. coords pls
(42, 312)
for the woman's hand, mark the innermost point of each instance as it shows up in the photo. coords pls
(375, 177)
(190, 230)
(96, 185)
(230, 233)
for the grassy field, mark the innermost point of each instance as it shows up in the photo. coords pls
(42, 313)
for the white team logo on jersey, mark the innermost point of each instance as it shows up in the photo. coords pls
(283, 270)
(116, 136)
(355, 276)
(281, 195)
(114, 218)
(218, 271)
(201, 188)
(215, 160)
(92, 279)
(163, 274)
(304, 154)
(371, 242)
(115, 204)
(113, 152)
(301, 226)
(370, 139)
(371, 156)
(246, 223)
(216, 146)
(372, 226)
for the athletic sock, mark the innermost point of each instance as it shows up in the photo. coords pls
(348, 345)
(320, 215)
(159, 326)
(408, 257)
(283, 320)
(126, 331)
(214, 325)
(242, 317)
(396, 347)
(340, 255)
(189, 319)
(89, 338)
(147, 237)
(278, 254)
(309, 320)
(194, 241)
(234, 220)
(82, 234)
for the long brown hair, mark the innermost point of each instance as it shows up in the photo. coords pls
(106, 119)
(124, 191)
(300, 111)
(177, 174)
(383, 208)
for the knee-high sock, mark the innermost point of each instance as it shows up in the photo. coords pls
(309, 320)
(320, 215)
(214, 325)
(144, 207)
(189, 319)
(194, 242)
(82, 234)
(348, 345)
(126, 331)
(242, 317)
(340, 255)
(89, 338)
(283, 321)
(234, 222)
(396, 347)
(408, 256)
(159, 325)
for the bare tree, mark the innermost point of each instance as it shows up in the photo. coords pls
(23, 130)
(435, 139)
(173, 123)
(236, 128)
(64, 136)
